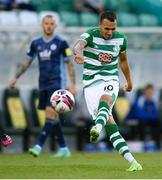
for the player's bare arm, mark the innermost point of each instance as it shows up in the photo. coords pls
(71, 73)
(78, 51)
(123, 62)
(22, 68)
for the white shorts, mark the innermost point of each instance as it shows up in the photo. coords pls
(94, 92)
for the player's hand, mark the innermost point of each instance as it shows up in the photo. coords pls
(128, 87)
(73, 89)
(12, 83)
(79, 59)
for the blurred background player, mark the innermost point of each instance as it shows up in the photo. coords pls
(5, 139)
(145, 110)
(98, 50)
(52, 52)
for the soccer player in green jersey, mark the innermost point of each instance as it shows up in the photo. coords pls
(100, 50)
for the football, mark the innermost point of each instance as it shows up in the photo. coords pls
(62, 101)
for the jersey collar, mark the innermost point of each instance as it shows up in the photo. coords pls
(48, 40)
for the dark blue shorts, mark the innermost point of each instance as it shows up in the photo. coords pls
(44, 98)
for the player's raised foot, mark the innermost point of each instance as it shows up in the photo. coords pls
(94, 134)
(35, 151)
(5, 140)
(62, 152)
(135, 166)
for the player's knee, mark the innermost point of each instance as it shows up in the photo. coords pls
(51, 114)
(107, 99)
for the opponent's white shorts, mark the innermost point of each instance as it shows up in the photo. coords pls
(94, 92)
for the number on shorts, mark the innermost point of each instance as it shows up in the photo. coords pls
(108, 88)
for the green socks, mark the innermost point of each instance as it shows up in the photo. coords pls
(103, 113)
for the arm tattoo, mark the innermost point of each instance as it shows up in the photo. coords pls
(79, 46)
(21, 69)
(71, 72)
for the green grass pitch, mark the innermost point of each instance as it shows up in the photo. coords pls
(79, 166)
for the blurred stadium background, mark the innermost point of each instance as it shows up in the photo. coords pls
(142, 23)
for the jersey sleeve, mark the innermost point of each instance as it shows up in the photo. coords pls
(67, 52)
(124, 45)
(31, 52)
(87, 36)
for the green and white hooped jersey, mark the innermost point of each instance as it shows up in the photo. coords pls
(101, 56)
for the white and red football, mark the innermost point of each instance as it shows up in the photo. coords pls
(62, 101)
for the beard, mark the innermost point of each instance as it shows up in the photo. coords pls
(48, 32)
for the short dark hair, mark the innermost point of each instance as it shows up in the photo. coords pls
(110, 15)
(149, 86)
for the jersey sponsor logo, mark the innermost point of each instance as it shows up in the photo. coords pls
(105, 58)
(53, 47)
(45, 55)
